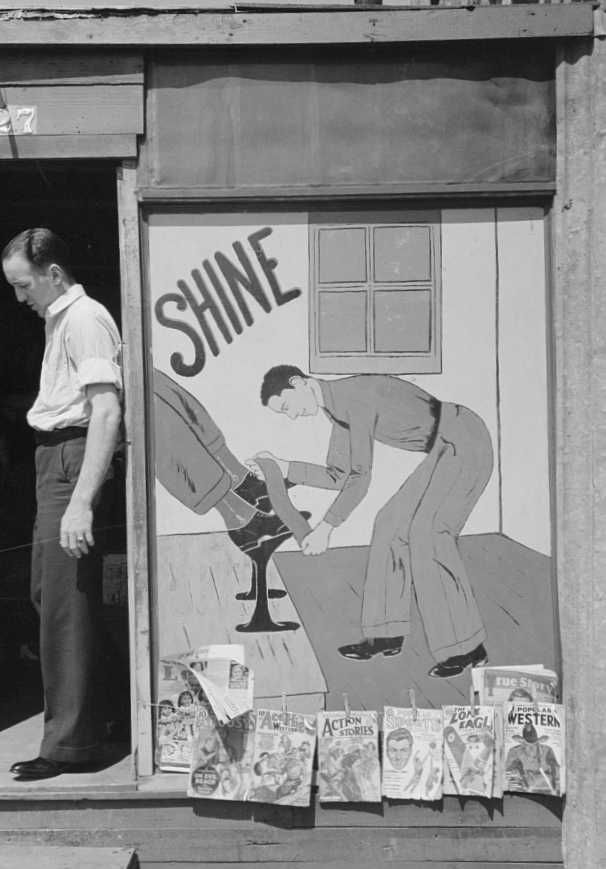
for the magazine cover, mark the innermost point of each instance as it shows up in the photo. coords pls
(284, 745)
(468, 750)
(521, 684)
(498, 773)
(412, 753)
(179, 695)
(221, 757)
(534, 748)
(348, 757)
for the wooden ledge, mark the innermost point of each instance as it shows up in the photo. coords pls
(86, 26)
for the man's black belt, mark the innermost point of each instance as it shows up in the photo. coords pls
(59, 435)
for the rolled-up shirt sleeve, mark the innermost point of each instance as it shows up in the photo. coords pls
(95, 350)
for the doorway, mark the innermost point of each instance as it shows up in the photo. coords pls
(77, 199)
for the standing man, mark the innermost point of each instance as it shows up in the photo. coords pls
(414, 540)
(76, 418)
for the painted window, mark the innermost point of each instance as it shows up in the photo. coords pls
(375, 293)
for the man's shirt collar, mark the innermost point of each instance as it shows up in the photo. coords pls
(76, 291)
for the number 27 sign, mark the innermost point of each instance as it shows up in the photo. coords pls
(18, 120)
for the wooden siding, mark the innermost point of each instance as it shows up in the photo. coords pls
(292, 27)
(88, 104)
(297, 121)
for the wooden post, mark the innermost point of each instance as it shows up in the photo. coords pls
(579, 306)
(136, 490)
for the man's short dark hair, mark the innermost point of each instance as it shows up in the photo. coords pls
(41, 247)
(399, 734)
(277, 379)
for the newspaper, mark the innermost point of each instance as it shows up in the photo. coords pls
(519, 684)
(412, 753)
(227, 682)
(221, 757)
(469, 750)
(535, 748)
(284, 746)
(348, 757)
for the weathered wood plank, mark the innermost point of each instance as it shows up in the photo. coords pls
(145, 812)
(320, 192)
(82, 109)
(51, 857)
(66, 147)
(38, 27)
(273, 845)
(355, 864)
(95, 66)
(136, 486)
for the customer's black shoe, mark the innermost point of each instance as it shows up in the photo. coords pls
(254, 491)
(367, 649)
(41, 767)
(455, 665)
(260, 529)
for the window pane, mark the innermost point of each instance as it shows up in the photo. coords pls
(342, 322)
(402, 253)
(402, 320)
(342, 255)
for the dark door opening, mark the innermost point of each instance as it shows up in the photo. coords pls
(76, 199)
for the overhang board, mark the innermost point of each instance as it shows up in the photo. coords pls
(84, 104)
(151, 27)
(433, 118)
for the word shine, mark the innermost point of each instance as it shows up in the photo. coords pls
(220, 300)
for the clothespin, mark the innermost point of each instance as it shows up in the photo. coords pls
(284, 706)
(535, 704)
(413, 704)
(346, 703)
(472, 699)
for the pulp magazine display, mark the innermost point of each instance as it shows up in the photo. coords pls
(348, 757)
(526, 683)
(469, 739)
(221, 757)
(535, 748)
(412, 753)
(284, 745)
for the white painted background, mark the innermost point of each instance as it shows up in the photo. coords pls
(493, 323)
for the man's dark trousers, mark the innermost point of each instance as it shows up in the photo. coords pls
(67, 592)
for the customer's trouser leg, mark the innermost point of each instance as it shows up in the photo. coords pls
(68, 595)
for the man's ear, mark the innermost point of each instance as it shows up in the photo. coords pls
(56, 273)
(295, 380)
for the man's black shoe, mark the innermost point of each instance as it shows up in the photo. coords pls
(364, 651)
(254, 491)
(40, 767)
(261, 528)
(455, 665)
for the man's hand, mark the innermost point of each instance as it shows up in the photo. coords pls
(254, 468)
(77, 530)
(317, 540)
(77, 521)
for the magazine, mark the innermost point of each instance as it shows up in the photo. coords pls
(178, 698)
(284, 746)
(412, 753)
(469, 750)
(221, 757)
(535, 748)
(521, 684)
(348, 757)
